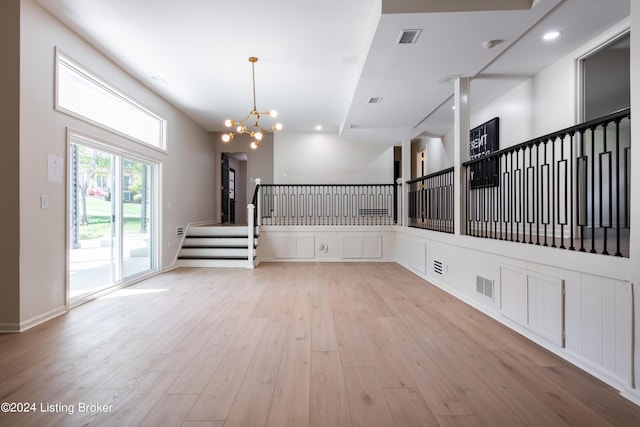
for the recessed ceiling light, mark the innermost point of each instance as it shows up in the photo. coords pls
(160, 80)
(552, 35)
(318, 128)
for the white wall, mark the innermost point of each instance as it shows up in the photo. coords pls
(515, 110)
(187, 168)
(325, 158)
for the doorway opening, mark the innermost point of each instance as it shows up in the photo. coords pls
(604, 160)
(606, 79)
(234, 188)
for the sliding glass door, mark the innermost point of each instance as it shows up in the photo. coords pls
(111, 219)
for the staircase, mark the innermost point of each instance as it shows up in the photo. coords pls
(218, 246)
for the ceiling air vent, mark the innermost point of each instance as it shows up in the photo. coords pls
(375, 100)
(408, 36)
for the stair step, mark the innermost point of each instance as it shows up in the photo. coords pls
(211, 257)
(210, 241)
(215, 236)
(213, 263)
(218, 230)
(212, 252)
(216, 247)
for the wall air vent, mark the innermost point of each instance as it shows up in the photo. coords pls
(375, 100)
(438, 267)
(353, 126)
(179, 231)
(408, 36)
(484, 286)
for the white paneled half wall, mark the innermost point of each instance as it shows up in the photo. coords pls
(533, 300)
(326, 244)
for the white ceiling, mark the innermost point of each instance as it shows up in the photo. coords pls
(321, 61)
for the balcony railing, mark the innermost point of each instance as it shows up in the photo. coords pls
(357, 204)
(569, 189)
(431, 201)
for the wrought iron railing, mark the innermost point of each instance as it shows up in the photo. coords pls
(569, 189)
(431, 201)
(346, 204)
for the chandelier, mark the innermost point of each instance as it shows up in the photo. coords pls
(252, 128)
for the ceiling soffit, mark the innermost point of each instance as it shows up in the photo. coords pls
(435, 6)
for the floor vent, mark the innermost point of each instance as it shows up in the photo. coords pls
(484, 286)
(438, 267)
(179, 231)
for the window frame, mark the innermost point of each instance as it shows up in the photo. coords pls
(115, 93)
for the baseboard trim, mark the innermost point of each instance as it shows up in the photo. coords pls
(9, 328)
(631, 394)
(13, 328)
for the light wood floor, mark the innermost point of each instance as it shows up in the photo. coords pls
(293, 345)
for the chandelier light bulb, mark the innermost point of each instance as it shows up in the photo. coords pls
(254, 145)
(226, 137)
(273, 113)
(278, 126)
(258, 136)
(228, 123)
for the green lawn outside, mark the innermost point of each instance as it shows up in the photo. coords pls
(99, 216)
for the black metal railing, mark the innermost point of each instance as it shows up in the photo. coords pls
(569, 189)
(431, 201)
(346, 204)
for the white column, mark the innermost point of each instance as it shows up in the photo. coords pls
(259, 201)
(250, 235)
(460, 149)
(634, 244)
(400, 201)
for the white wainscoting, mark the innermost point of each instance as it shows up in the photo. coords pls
(537, 296)
(533, 300)
(370, 243)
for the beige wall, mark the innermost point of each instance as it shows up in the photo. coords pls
(9, 154)
(187, 168)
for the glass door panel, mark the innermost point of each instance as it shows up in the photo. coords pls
(137, 191)
(93, 216)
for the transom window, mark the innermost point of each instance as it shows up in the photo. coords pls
(85, 96)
